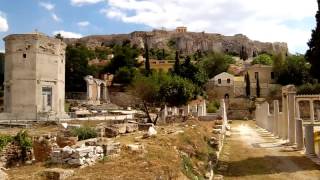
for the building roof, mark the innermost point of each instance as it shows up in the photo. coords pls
(224, 74)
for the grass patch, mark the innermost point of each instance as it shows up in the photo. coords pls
(84, 133)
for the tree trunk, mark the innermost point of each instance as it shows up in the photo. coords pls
(146, 110)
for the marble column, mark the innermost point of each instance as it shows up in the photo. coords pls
(285, 118)
(200, 110)
(311, 111)
(280, 119)
(309, 139)
(204, 108)
(89, 91)
(264, 115)
(299, 134)
(275, 117)
(291, 117)
(257, 115)
(98, 92)
(186, 110)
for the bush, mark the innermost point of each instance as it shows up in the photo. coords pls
(309, 89)
(24, 140)
(213, 107)
(84, 133)
(4, 140)
(264, 59)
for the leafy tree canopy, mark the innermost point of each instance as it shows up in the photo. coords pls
(216, 63)
(124, 56)
(77, 67)
(264, 59)
(294, 70)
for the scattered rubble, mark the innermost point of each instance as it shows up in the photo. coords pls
(56, 174)
(82, 156)
(139, 148)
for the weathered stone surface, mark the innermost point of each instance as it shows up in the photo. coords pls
(3, 175)
(111, 148)
(135, 147)
(82, 156)
(56, 174)
(42, 147)
(188, 42)
(130, 127)
(121, 128)
(111, 132)
(63, 141)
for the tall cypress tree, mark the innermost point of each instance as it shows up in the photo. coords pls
(147, 62)
(176, 67)
(313, 53)
(248, 89)
(258, 89)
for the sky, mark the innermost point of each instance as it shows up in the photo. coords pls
(288, 21)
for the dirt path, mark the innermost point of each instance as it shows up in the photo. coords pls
(251, 153)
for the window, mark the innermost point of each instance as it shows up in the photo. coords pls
(256, 75)
(219, 81)
(24, 55)
(272, 75)
(228, 81)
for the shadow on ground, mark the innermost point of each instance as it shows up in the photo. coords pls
(268, 165)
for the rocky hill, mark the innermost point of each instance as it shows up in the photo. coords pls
(186, 42)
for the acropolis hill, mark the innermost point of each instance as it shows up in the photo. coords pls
(186, 42)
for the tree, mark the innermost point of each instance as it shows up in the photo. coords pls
(176, 66)
(59, 36)
(243, 53)
(147, 62)
(248, 87)
(258, 89)
(158, 90)
(292, 69)
(124, 56)
(194, 73)
(77, 67)
(125, 75)
(216, 63)
(264, 59)
(313, 53)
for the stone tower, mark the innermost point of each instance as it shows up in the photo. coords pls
(34, 82)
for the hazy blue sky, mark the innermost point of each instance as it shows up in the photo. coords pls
(288, 21)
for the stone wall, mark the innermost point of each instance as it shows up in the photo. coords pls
(13, 155)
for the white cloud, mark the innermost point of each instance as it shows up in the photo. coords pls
(84, 2)
(4, 27)
(48, 6)
(1, 50)
(67, 34)
(83, 23)
(259, 20)
(55, 17)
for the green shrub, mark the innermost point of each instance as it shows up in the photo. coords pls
(4, 140)
(213, 106)
(84, 133)
(24, 140)
(309, 89)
